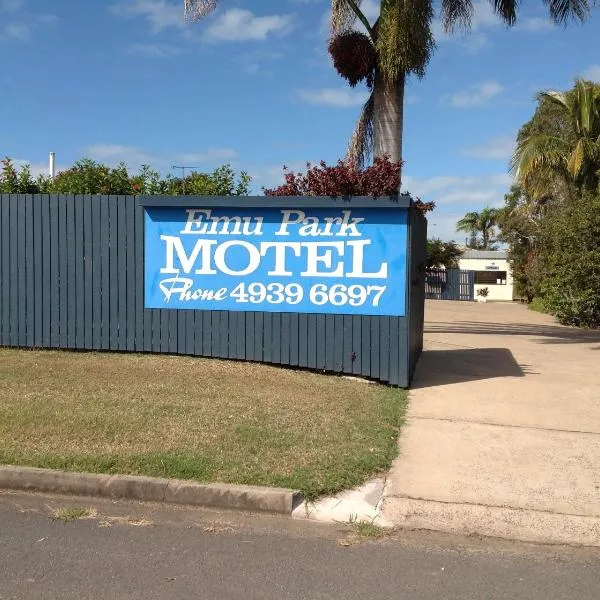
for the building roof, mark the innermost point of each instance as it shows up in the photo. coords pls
(485, 254)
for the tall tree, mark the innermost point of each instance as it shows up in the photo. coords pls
(399, 43)
(566, 146)
(483, 223)
(442, 254)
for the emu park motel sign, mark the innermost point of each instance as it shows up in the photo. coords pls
(304, 260)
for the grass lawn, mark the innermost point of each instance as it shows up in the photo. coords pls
(190, 418)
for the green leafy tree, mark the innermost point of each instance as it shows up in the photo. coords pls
(564, 267)
(17, 181)
(519, 224)
(483, 223)
(562, 142)
(442, 254)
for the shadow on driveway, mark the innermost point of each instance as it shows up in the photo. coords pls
(550, 334)
(441, 367)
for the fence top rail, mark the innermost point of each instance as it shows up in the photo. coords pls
(400, 201)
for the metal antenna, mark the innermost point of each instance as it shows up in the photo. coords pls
(183, 175)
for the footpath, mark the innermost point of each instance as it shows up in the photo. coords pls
(503, 429)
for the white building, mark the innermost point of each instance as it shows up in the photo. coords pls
(492, 271)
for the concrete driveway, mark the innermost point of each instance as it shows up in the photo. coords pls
(503, 431)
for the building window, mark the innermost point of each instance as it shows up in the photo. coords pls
(490, 277)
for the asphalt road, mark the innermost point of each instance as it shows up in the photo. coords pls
(131, 551)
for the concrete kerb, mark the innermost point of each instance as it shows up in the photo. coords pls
(150, 489)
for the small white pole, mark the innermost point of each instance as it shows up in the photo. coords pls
(51, 165)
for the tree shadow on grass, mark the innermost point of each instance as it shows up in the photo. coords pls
(441, 367)
(548, 334)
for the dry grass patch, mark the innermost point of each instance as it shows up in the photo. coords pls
(190, 418)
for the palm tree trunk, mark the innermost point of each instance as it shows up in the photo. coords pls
(388, 118)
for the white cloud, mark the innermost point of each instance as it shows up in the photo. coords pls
(340, 97)
(454, 196)
(476, 95)
(134, 157)
(445, 190)
(154, 50)
(535, 25)
(592, 73)
(238, 25)
(18, 24)
(498, 148)
(160, 14)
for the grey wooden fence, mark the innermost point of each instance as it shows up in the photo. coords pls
(71, 276)
(450, 284)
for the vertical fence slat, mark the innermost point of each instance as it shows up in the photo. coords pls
(198, 329)
(241, 335)
(96, 264)
(181, 331)
(207, 333)
(45, 280)
(303, 340)
(365, 349)
(143, 321)
(70, 274)
(164, 330)
(29, 298)
(311, 341)
(80, 318)
(124, 277)
(338, 342)
(384, 348)
(268, 337)
(330, 346)
(347, 360)
(249, 336)
(105, 266)
(190, 332)
(130, 259)
(276, 339)
(21, 339)
(172, 330)
(224, 331)
(394, 352)
(88, 273)
(293, 329)
(356, 344)
(285, 339)
(321, 342)
(258, 335)
(375, 337)
(5, 271)
(13, 273)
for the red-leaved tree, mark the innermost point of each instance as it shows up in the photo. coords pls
(343, 179)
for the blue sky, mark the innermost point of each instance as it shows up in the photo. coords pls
(253, 85)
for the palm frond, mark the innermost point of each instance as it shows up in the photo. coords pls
(507, 9)
(576, 159)
(563, 11)
(360, 147)
(536, 153)
(457, 15)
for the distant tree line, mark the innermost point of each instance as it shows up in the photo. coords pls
(89, 177)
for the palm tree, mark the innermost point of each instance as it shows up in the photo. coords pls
(399, 43)
(572, 151)
(483, 223)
